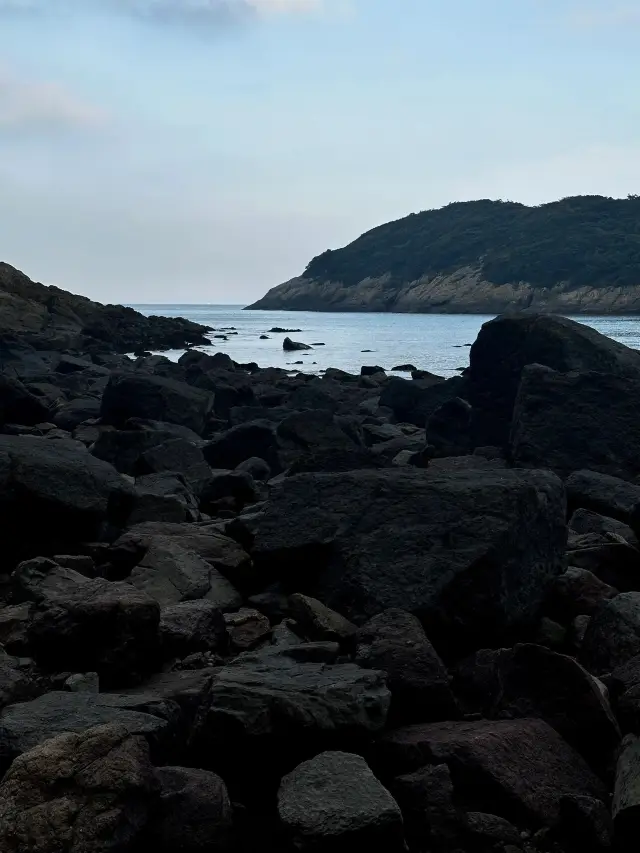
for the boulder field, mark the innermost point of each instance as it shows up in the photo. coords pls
(247, 609)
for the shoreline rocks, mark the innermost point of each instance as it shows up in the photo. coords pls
(301, 613)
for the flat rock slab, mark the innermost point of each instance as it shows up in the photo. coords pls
(27, 724)
(471, 553)
(518, 769)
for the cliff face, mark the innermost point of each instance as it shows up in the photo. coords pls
(579, 255)
(461, 292)
(51, 318)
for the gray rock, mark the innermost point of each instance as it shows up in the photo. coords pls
(495, 543)
(247, 628)
(78, 792)
(192, 626)
(334, 802)
(83, 682)
(586, 521)
(171, 573)
(578, 592)
(317, 622)
(426, 798)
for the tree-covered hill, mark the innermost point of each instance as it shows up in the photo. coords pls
(582, 241)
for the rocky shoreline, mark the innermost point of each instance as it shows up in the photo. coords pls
(245, 608)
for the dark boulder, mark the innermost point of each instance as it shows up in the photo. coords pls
(558, 422)
(507, 344)
(88, 624)
(395, 643)
(449, 428)
(371, 540)
(371, 370)
(432, 819)
(414, 401)
(604, 494)
(516, 769)
(137, 395)
(317, 622)
(291, 346)
(532, 681)
(333, 802)
(625, 807)
(178, 455)
(75, 412)
(124, 448)
(613, 635)
(70, 493)
(577, 592)
(18, 405)
(163, 497)
(242, 442)
(193, 815)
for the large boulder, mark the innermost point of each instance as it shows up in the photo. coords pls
(63, 493)
(517, 769)
(131, 395)
(88, 624)
(568, 421)
(507, 344)
(334, 803)
(242, 442)
(471, 553)
(78, 792)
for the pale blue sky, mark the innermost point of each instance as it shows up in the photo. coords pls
(205, 150)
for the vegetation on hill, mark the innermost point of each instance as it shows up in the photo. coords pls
(582, 240)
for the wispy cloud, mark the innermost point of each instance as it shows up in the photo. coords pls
(27, 103)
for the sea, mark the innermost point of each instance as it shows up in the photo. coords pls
(436, 342)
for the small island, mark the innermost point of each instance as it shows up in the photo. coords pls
(579, 255)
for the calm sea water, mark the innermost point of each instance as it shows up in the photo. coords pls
(435, 342)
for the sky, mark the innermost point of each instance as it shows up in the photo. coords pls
(176, 151)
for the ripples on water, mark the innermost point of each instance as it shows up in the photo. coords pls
(435, 342)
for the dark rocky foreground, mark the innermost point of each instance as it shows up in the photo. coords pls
(246, 610)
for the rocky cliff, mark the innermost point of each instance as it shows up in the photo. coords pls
(576, 256)
(50, 318)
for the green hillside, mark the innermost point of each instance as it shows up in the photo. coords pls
(582, 240)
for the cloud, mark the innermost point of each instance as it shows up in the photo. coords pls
(26, 103)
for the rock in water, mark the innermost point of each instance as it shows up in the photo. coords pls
(471, 553)
(334, 803)
(78, 792)
(291, 346)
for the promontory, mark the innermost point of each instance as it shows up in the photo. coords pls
(579, 255)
